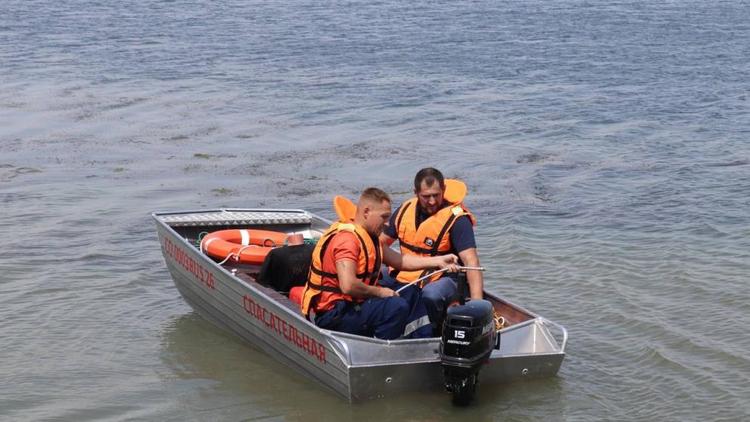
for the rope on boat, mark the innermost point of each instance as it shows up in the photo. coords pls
(201, 235)
(236, 254)
(499, 321)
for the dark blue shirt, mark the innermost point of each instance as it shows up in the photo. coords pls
(461, 234)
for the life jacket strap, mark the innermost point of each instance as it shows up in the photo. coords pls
(321, 273)
(413, 248)
(330, 289)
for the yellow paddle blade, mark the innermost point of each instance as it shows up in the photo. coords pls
(455, 191)
(345, 208)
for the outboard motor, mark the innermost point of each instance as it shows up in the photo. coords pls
(468, 338)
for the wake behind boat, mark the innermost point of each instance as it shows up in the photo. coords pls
(227, 292)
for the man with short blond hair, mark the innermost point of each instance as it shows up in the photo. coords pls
(343, 289)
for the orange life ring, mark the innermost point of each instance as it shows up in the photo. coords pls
(246, 246)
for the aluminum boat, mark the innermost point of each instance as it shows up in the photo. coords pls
(355, 367)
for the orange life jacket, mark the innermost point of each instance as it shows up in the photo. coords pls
(324, 286)
(431, 238)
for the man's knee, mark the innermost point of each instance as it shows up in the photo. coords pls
(433, 295)
(430, 295)
(441, 290)
(392, 315)
(397, 306)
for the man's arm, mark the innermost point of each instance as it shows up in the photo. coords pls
(350, 285)
(473, 277)
(386, 240)
(464, 243)
(414, 262)
(389, 235)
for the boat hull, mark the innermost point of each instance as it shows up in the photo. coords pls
(355, 367)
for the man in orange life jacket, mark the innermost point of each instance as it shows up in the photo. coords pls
(342, 286)
(430, 225)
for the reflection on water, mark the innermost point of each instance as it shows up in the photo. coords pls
(215, 373)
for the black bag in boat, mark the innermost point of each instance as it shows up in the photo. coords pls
(286, 267)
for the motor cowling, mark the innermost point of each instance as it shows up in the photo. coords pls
(468, 338)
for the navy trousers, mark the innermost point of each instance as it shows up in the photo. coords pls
(418, 322)
(383, 318)
(436, 297)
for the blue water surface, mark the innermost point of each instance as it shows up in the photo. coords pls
(605, 145)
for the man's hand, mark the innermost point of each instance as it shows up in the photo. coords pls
(351, 285)
(386, 292)
(447, 262)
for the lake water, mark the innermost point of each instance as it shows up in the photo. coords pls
(605, 145)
